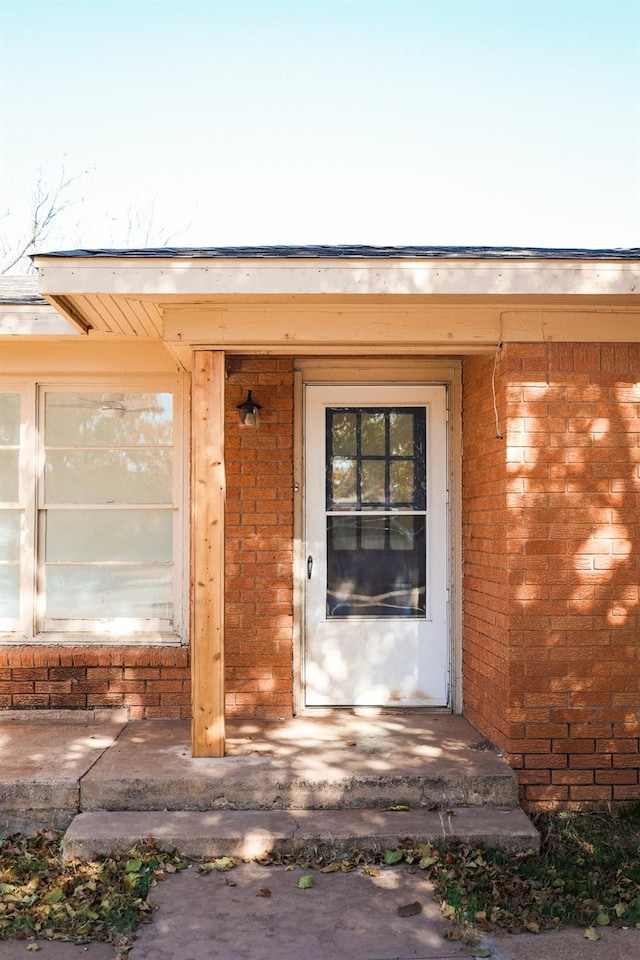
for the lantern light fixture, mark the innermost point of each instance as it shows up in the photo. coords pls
(249, 412)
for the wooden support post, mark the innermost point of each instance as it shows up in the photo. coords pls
(207, 537)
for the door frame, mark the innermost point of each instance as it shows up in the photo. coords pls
(355, 370)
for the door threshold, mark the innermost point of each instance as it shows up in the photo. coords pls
(369, 711)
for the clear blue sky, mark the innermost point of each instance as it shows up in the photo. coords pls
(325, 121)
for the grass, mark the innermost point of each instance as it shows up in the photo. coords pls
(586, 873)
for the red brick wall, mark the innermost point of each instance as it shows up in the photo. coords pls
(259, 533)
(486, 571)
(568, 715)
(149, 681)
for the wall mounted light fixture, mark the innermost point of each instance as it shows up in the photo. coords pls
(249, 412)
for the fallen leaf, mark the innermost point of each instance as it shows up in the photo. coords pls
(33, 947)
(350, 743)
(54, 896)
(370, 871)
(306, 882)
(331, 868)
(263, 892)
(479, 952)
(592, 934)
(393, 856)
(398, 807)
(603, 919)
(410, 909)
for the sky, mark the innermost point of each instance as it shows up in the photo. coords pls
(241, 122)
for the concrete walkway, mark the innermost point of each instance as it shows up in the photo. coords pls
(259, 913)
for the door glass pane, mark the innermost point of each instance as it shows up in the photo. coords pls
(116, 535)
(95, 591)
(344, 480)
(401, 434)
(401, 481)
(10, 591)
(108, 476)
(373, 434)
(108, 419)
(373, 487)
(344, 433)
(10, 419)
(9, 535)
(376, 566)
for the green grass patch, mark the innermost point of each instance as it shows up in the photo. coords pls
(587, 873)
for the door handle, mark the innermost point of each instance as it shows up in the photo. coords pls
(309, 567)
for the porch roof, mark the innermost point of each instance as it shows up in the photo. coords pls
(323, 298)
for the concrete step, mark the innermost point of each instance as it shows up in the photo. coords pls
(330, 833)
(350, 763)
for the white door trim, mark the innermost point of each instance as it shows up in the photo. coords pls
(429, 371)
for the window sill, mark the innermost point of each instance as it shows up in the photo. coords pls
(93, 640)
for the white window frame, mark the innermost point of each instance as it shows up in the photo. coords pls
(31, 626)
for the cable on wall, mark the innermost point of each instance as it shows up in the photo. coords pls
(499, 435)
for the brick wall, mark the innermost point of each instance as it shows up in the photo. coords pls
(485, 590)
(568, 715)
(259, 534)
(148, 681)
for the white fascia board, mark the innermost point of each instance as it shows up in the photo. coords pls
(155, 277)
(33, 320)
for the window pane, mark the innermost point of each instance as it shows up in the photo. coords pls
(119, 535)
(10, 535)
(9, 476)
(343, 433)
(401, 482)
(378, 569)
(108, 476)
(10, 419)
(401, 434)
(10, 592)
(108, 419)
(88, 592)
(343, 481)
(373, 434)
(373, 481)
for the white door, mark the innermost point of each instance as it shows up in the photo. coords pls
(377, 553)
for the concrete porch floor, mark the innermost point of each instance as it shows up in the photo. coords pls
(349, 765)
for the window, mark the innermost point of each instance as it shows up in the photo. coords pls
(90, 510)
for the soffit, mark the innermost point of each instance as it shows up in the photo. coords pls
(149, 297)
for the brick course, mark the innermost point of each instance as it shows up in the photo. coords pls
(100, 677)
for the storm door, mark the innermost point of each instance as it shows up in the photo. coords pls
(376, 561)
